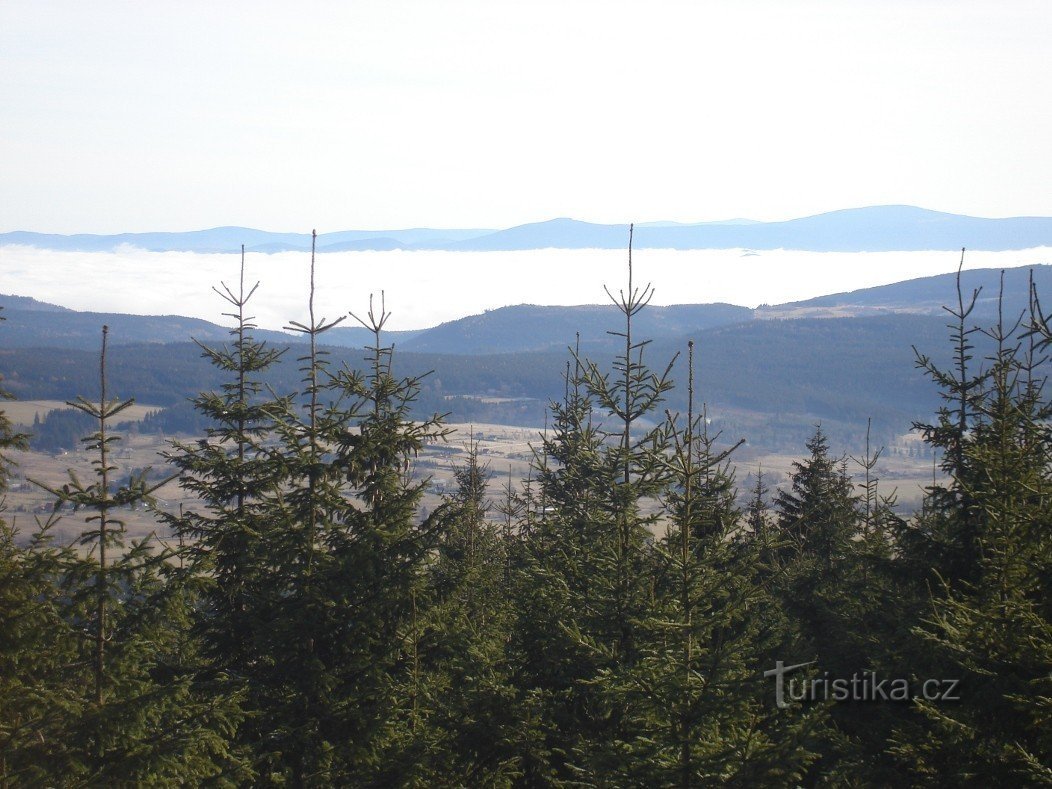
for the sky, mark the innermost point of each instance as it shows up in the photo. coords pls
(150, 116)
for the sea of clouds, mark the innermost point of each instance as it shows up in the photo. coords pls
(424, 288)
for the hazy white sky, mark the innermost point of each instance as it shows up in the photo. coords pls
(137, 116)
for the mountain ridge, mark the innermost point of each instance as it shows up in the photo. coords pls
(865, 229)
(530, 327)
(838, 359)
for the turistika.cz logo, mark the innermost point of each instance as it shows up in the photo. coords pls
(860, 686)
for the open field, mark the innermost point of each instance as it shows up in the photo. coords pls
(506, 450)
(22, 412)
(27, 502)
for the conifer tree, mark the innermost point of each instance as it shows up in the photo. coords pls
(946, 542)
(990, 629)
(586, 576)
(822, 589)
(469, 703)
(511, 506)
(817, 514)
(627, 394)
(700, 709)
(35, 647)
(228, 540)
(230, 472)
(295, 665)
(381, 553)
(562, 527)
(880, 610)
(335, 682)
(38, 697)
(758, 511)
(142, 720)
(846, 602)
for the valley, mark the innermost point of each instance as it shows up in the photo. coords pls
(506, 451)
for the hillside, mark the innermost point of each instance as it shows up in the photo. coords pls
(926, 295)
(767, 380)
(35, 324)
(527, 327)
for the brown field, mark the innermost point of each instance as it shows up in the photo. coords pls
(27, 503)
(506, 450)
(790, 311)
(21, 412)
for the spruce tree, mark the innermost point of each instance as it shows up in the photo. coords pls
(334, 679)
(848, 606)
(586, 576)
(821, 587)
(468, 706)
(758, 511)
(561, 527)
(989, 629)
(229, 538)
(946, 542)
(141, 719)
(624, 396)
(700, 709)
(312, 554)
(36, 697)
(294, 665)
(817, 514)
(380, 554)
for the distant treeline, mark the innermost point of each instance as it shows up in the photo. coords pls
(61, 429)
(64, 429)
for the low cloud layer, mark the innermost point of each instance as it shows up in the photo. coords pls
(427, 288)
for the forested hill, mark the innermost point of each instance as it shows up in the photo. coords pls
(528, 327)
(609, 618)
(36, 324)
(767, 380)
(927, 295)
(870, 229)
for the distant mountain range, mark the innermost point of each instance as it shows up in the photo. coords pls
(872, 229)
(230, 239)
